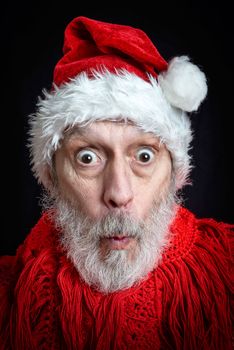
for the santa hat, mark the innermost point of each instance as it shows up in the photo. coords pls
(111, 72)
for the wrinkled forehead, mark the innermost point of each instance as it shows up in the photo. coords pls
(114, 131)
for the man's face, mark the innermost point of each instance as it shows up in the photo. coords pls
(113, 171)
(111, 166)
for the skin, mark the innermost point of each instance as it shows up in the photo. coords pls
(113, 167)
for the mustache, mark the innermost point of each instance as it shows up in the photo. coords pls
(117, 224)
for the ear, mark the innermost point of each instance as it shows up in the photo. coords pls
(48, 178)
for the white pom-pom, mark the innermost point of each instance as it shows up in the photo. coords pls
(183, 84)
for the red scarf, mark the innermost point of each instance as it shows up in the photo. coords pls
(183, 304)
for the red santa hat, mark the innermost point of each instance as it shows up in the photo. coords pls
(111, 72)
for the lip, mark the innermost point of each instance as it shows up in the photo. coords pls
(118, 242)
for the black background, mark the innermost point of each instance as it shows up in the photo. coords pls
(31, 44)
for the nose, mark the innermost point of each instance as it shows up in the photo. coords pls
(118, 191)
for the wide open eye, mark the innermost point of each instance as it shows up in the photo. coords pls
(87, 157)
(145, 155)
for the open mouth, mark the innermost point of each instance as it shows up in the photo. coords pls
(118, 242)
(118, 238)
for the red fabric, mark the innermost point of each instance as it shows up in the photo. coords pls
(91, 44)
(183, 304)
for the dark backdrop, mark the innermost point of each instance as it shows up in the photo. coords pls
(31, 44)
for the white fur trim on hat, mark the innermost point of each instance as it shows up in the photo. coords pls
(108, 96)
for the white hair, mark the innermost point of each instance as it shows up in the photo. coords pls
(80, 238)
(108, 96)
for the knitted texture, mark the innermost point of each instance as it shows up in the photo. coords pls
(183, 304)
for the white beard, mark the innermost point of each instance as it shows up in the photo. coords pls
(115, 271)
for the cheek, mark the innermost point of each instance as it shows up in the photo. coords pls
(85, 193)
(88, 198)
(151, 190)
(162, 182)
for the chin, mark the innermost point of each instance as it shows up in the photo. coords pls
(118, 270)
(111, 270)
(118, 251)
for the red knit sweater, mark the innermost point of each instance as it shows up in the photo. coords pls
(183, 304)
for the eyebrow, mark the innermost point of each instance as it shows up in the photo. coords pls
(74, 130)
(81, 131)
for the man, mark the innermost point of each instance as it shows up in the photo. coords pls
(116, 262)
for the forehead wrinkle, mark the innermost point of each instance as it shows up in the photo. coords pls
(82, 129)
(77, 129)
(87, 134)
